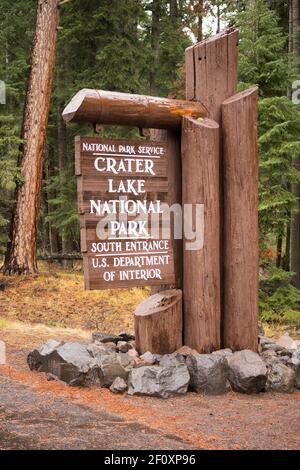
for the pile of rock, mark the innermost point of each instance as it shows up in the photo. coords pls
(112, 361)
(282, 359)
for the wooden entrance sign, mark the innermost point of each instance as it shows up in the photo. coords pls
(122, 186)
(208, 157)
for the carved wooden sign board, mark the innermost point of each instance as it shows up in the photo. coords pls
(121, 187)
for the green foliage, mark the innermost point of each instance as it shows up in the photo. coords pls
(63, 213)
(9, 173)
(16, 20)
(279, 141)
(264, 61)
(263, 50)
(279, 300)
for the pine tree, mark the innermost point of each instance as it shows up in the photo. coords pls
(16, 20)
(20, 256)
(264, 61)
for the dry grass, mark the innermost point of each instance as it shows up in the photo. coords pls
(57, 298)
(274, 330)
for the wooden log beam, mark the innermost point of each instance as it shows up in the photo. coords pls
(241, 268)
(158, 323)
(108, 107)
(201, 265)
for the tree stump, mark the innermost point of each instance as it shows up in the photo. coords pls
(158, 323)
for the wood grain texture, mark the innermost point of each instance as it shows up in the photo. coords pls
(174, 196)
(241, 266)
(211, 71)
(128, 260)
(158, 323)
(107, 107)
(201, 267)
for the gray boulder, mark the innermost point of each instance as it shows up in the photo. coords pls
(297, 377)
(226, 353)
(269, 356)
(123, 346)
(97, 350)
(115, 365)
(267, 344)
(106, 337)
(247, 372)
(148, 358)
(126, 336)
(280, 378)
(69, 362)
(171, 360)
(287, 342)
(118, 386)
(38, 358)
(159, 381)
(208, 373)
(294, 363)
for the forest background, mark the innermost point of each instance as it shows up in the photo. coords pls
(137, 46)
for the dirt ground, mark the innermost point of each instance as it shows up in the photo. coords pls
(40, 414)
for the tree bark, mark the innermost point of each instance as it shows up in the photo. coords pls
(21, 250)
(287, 257)
(241, 264)
(200, 10)
(279, 251)
(294, 46)
(201, 260)
(155, 45)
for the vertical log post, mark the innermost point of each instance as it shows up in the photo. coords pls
(211, 71)
(201, 282)
(240, 221)
(211, 78)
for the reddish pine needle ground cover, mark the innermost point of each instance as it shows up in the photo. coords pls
(38, 414)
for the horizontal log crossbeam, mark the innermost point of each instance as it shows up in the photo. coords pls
(113, 108)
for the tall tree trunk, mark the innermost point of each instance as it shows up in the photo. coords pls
(279, 251)
(218, 18)
(53, 233)
(155, 36)
(173, 9)
(295, 220)
(286, 259)
(200, 10)
(21, 250)
(67, 242)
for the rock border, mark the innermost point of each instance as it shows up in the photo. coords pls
(112, 361)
